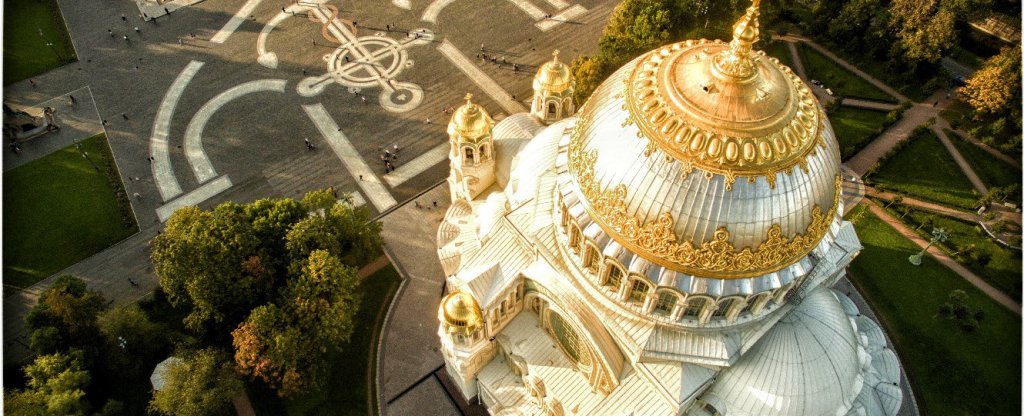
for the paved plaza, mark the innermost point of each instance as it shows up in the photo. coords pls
(214, 100)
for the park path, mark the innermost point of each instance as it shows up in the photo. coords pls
(915, 116)
(941, 257)
(868, 104)
(944, 124)
(960, 161)
(824, 51)
(923, 205)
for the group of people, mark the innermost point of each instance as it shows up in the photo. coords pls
(388, 156)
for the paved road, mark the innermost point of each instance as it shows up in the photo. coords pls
(971, 278)
(868, 104)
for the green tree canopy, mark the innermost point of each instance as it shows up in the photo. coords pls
(199, 259)
(56, 386)
(65, 316)
(202, 384)
(925, 28)
(285, 343)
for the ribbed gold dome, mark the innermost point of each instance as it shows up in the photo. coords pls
(708, 158)
(460, 311)
(470, 120)
(553, 76)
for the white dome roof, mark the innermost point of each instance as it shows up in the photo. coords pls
(807, 364)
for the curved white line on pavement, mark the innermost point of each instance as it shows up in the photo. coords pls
(194, 151)
(434, 9)
(269, 59)
(159, 148)
(403, 4)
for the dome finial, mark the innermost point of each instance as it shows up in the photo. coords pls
(469, 98)
(736, 62)
(554, 55)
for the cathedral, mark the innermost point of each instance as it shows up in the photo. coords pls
(667, 248)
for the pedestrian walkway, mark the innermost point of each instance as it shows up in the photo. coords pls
(824, 51)
(868, 104)
(960, 161)
(941, 257)
(916, 115)
(944, 124)
(408, 352)
(77, 120)
(924, 205)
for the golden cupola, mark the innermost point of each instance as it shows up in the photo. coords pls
(460, 313)
(553, 76)
(707, 158)
(470, 121)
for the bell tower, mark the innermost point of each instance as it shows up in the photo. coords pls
(472, 151)
(553, 87)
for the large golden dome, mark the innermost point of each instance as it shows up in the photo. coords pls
(470, 120)
(708, 158)
(553, 76)
(460, 311)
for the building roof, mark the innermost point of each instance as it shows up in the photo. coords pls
(553, 77)
(470, 121)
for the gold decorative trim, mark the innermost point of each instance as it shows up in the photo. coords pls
(729, 153)
(657, 242)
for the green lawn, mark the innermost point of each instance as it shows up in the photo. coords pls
(855, 127)
(841, 81)
(59, 209)
(350, 380)
(780, 51)
(28, 26)
(1003, 271)
(983, 127)
(952, 372)
(924, 169)
(994, 172)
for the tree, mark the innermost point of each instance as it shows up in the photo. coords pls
(924, 27)
(343, 231)
(285, 343)
(992, 88)
(56, 386)
(65, 316)
(199, 260)
(202, 384)
(132, 339)
(928, 221)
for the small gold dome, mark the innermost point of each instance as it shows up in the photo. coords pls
(470, 121)
(460, 311)
(553, 76)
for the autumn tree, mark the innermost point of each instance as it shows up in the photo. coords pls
(56, 386)
(65, 317)
(201, 384)
(285, 343)
(925, 28)
(993, 88)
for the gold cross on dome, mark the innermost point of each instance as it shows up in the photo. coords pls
(555, 54)
(469, 98)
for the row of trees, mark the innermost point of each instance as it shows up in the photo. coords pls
(265, 289)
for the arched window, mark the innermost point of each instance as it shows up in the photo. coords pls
(614, 276)
(639, 291)
(723, 306)
(574, 238)
(551, 108)
(469, 152)
(694, 305)
(590, 258)
(483, 151)
(666, 302)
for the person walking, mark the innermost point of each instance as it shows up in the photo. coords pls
(137, 30)
(308, 144)
(33, 82)
(124, 18)
(126, 38)
(111, 32)
(73, 100)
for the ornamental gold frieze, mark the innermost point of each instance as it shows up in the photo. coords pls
(657, 242)
(692, 136)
